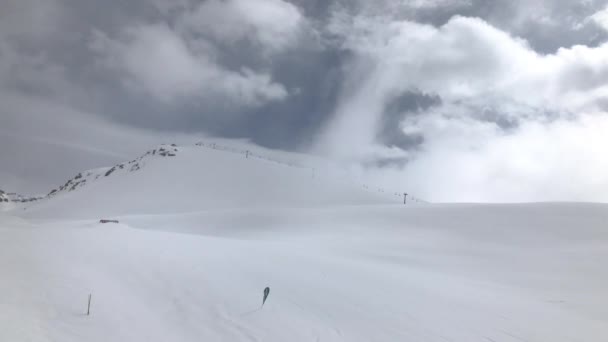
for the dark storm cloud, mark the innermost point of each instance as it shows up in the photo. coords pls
(316, 78)
(311, 72)
(314, 81)
(408, 103)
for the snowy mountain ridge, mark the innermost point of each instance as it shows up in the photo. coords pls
(206, 176)
(88, 177)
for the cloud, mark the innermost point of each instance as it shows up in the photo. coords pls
(155, 59)
(34, 73)
(600, 18)
(499, 99)
(43, 143)
(467, 57)
(271, 24)
(467, 160)
(546, 24)
(191, 55)
(31, 20)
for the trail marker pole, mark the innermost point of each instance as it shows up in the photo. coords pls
(89, 306)
(404, 198)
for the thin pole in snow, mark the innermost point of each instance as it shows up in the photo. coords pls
(404, 198)
(89, 306)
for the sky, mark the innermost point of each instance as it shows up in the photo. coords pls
(452, 100)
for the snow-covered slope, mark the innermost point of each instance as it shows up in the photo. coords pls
(203, 232)
(172, 179)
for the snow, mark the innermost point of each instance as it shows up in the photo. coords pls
(203, 233)
(199, 177)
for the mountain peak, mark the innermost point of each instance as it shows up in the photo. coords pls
(201, 177)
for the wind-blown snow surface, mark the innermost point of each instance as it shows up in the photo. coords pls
(203, 233)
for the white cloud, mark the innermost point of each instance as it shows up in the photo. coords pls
(182, 61)
(469, 160)
(600, 18)
(157, 60)
(473, 66)
(469, 58)
(435, 3)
